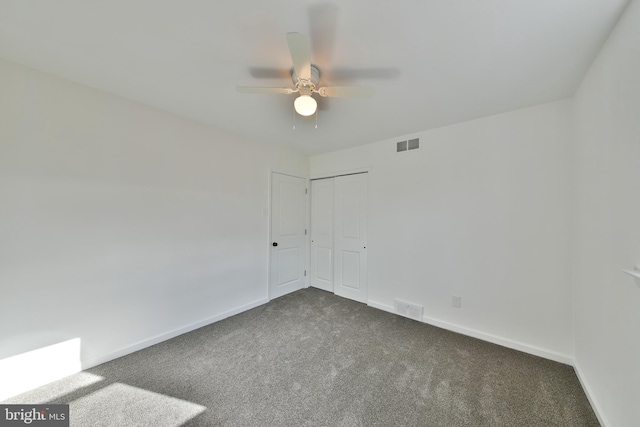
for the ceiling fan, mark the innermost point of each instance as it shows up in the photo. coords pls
(306, 78)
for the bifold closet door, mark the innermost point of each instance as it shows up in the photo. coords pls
(350, 237)
(322, 234)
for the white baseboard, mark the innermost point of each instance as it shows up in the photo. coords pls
(588, 391)
(90, 363)
(382, 307)
(505, 342)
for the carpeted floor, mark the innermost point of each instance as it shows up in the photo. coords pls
(313, 359)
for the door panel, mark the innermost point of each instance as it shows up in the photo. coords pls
(289, 218)
(288, 265)
(324, 264)
(351, 270)
(322, 234)
(350, 242)
(287, 233)
(351, 209)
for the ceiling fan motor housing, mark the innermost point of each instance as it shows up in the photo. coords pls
(306, 87)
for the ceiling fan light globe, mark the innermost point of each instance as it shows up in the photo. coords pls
(305, 105)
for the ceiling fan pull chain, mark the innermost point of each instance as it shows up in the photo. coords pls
(316, 119)
(294, 119)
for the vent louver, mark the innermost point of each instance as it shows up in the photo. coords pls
(411, 144)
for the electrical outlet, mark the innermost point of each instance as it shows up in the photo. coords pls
(456, 301)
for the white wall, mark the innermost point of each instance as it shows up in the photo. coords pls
(607, 225)
(481, 210)
(120, 222)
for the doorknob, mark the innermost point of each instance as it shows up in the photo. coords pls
(275, 243)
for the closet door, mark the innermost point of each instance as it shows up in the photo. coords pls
(322, 234)
(350, 237)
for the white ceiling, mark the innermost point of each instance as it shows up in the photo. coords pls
(433, 62)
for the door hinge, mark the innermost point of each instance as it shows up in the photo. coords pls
(305, 190)
(305, 273)
(305, 231)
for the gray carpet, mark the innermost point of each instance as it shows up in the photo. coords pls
(313, 359)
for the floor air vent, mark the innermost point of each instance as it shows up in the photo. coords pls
(409, 310)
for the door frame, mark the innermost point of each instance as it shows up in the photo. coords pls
(335, 174)
(307, 217)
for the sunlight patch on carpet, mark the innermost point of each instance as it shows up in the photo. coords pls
(124, 405)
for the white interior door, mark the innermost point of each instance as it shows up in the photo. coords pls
(350, 237)
(288, 238)
(322, 200)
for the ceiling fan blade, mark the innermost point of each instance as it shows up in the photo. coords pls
(351, 74)
(270, 73)
(300, 50)
(252, 89)
(347, 91)
(323, 20)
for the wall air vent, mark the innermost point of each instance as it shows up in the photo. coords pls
(401, 146)
(414, 143)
